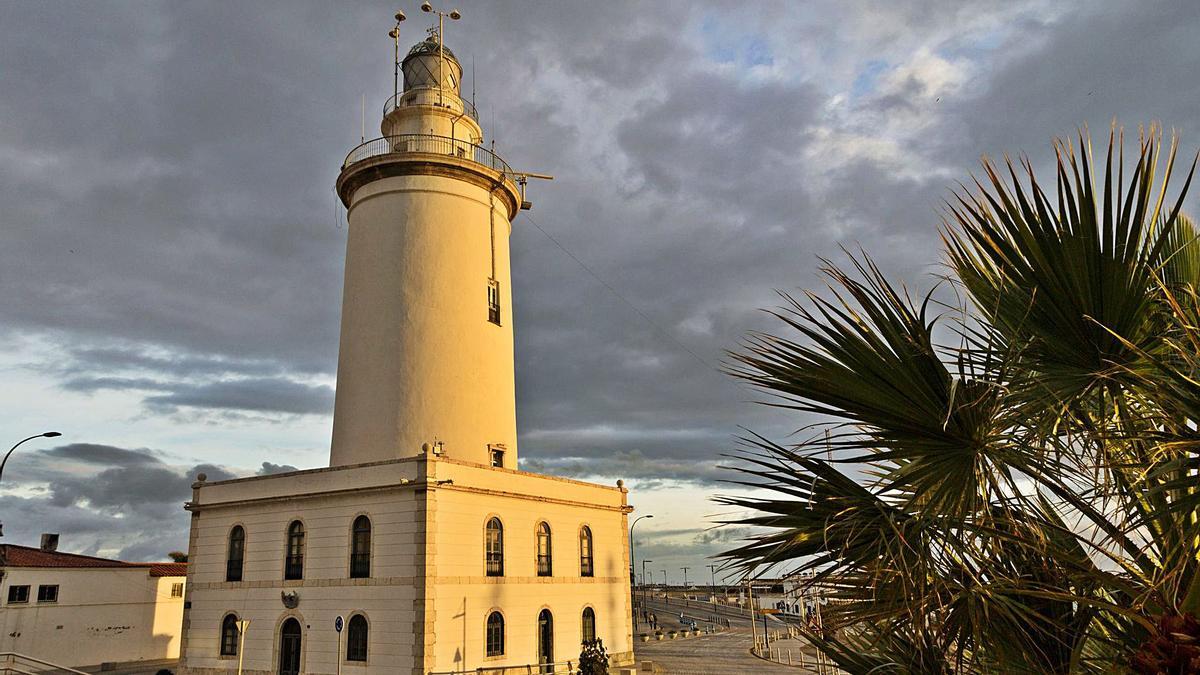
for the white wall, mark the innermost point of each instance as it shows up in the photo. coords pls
(102, 615)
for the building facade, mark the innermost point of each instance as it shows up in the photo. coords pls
(80, 610)
(436, 552)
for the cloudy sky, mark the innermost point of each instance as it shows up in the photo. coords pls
(171, 248)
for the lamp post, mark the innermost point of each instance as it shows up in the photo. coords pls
(48, 434)
(633, 560)
(454, 15)
(712, 577)
(644, 598)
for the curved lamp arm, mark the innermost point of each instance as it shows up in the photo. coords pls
(48, 434)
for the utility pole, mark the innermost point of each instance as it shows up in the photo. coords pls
(712, 572)
(685, 585)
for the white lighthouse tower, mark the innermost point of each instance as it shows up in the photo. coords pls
(421, 549)
(426, 352)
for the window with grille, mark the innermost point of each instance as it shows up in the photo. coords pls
(294, 564)
(18, 594)
(177, 590)
(589, 625)
(586, 563)
(237, 553)
(360, 548)
(494, 548)
(543, 550)
(229, 635)
(494, 301)
(495, 634)
(48, 593)
(356, 638)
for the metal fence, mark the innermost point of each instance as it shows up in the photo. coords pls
(428, 144)
(557, 668)
(398, 101)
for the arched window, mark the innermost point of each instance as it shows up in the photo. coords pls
(237, 553)
(360, 548)
(294, 565)
(495, 634)
(493, 541)
(589, 625)
(356, 638)
(543, 550)
(586, 566)
(229, 635)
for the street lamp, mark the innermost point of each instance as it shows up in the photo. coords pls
(633, 559)
(454, 16)
(644, 598)
(48, 434)
(394, 33)
(712, 577)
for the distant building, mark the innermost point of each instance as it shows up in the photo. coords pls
(79, 610)
(436, 552)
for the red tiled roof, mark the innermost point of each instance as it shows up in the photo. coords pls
(12, 555)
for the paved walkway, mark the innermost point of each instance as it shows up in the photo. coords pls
(724, 653)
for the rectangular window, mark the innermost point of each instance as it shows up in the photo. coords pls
(48, 593)
(17, 594)
(494, 301)
(177, 590)
(497, 456)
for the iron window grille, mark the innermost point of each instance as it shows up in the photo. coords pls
(177, 590)
(543, 550)
(589, 625)
(294, 564)
(495, 634)
(18, 594)
(494, 548)
(356, 638)
(360, 549)
(48, 593)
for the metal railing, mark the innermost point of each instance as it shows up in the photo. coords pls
(429, 144)
(557, 668)
(294, 567)
(360, 565)
(398, 101)
(233, 570)
(12, 662)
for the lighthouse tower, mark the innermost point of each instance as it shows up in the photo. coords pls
(426, 355)
(423, 543)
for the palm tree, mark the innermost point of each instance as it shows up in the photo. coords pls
(1007, 482)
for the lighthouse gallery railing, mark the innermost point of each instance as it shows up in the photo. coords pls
(429, 144)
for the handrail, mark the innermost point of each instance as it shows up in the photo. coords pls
(528, 668)
(429, 144)
(398, 102)
(11, 658)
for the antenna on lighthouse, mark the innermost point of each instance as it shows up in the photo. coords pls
(394, 33)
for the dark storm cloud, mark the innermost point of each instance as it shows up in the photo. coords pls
(257, 395)
(119, 501)
(169, 225)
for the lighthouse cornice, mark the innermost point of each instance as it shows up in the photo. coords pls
(428, 155)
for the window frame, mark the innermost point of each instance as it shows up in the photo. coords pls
(14, 591)
(177, 586)
(544, 562)
(366, 638)
(241, 559)
(583, 624)
(360, 558)
(487, 634)
(44, 597)
(493, 560)
(229, 629)
(293, 562)
(587, 559)
(494, 301)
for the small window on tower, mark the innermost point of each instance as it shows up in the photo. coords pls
(497, 452)
(494, 301)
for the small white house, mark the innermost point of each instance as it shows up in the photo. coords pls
(78, 610)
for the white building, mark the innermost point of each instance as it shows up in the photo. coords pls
(79, 610)
(438, 554)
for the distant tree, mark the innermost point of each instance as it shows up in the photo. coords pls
(178, 556)
(593, 660)
(1003, 481)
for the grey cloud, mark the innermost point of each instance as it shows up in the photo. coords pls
(260, 394)
(268, 468)
(92, 453)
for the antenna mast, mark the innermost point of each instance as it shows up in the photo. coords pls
(395, 35)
